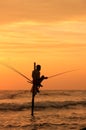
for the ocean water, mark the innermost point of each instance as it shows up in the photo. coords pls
(54, 110)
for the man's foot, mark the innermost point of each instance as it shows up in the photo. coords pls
(37, 90)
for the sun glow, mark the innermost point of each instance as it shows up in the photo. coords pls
(55, 40)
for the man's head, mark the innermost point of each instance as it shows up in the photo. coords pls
(38, 67)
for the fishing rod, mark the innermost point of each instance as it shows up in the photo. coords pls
(15, 70)
(58, 74)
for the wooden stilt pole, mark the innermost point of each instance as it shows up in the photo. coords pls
(33, 95)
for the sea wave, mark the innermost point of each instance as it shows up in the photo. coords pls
(17, 94)
(8, 94)
(48, 126)
(42, 105)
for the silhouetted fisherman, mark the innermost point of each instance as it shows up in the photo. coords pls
(37, 79)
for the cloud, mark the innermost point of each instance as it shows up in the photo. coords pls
(28, 46)
(38, 34)
(16, 50)
(42, 10)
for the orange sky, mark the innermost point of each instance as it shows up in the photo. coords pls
(52, 33)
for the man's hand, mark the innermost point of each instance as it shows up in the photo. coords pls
(45, 77)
